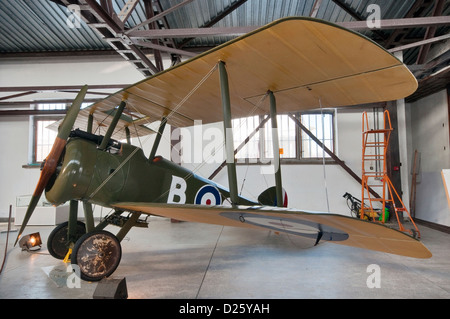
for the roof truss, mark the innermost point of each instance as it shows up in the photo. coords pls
(154, 32)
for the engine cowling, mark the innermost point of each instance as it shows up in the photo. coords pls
(72, 179)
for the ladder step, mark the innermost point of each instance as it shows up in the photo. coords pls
(373, 144)
(378, 131)
(379, 200)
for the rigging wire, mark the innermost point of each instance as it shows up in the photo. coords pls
(323, 155)
(206, 77)
(134, 123)
(244, 180)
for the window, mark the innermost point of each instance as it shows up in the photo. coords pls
(295, 145)
(44, 139)
(43, 136)
(286, 137)
(321, 125)
(242, 128)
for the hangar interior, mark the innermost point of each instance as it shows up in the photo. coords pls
(49, 49)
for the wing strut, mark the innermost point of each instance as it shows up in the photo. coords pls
(112, 126)
(90, 123)
(276, 149)
(128, 134)
(158, 138)
(229, 144)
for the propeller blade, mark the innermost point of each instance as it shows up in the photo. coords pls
(52, 159)
(71, 116)
(33, 202)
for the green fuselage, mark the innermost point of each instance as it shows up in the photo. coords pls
(105, 177)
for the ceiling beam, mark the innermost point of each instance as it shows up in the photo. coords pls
(149, 13)
(341, 4)
(315, 8)
(17, 95)
(398, 35)
(163, 48)
(224, 13)
(106, 23)
(431, 30)
(420, 43)
(399, 23)
(159, 16)
(236, 31)
(31, 112)
(127, 10)
(27, 103)
(139, 57)
(216, 19)
(190, 32)
(59, 88)
(358, 17)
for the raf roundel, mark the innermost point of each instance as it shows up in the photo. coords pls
(208, 195)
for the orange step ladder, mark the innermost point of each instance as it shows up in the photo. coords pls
(374, 175)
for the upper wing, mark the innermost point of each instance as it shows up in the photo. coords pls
(301, 60)
(320, 226)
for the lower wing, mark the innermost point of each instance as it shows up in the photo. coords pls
(320, 226)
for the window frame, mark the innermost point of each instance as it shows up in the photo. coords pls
(299, 159)
(333, 140)
(34, 119)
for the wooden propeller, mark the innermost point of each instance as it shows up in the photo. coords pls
(52, 159)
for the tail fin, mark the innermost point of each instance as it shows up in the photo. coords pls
(269, 197)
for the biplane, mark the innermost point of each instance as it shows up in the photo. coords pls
(298, 63)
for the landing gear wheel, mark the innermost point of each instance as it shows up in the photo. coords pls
(97, 255)
(57, 242)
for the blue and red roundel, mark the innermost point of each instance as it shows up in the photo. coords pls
(208, 195)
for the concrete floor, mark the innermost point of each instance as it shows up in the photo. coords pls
(197, 261)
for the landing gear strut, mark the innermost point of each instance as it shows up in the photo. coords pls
(94, 250)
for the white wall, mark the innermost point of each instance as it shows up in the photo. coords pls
(430, 136)
(14, 180)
